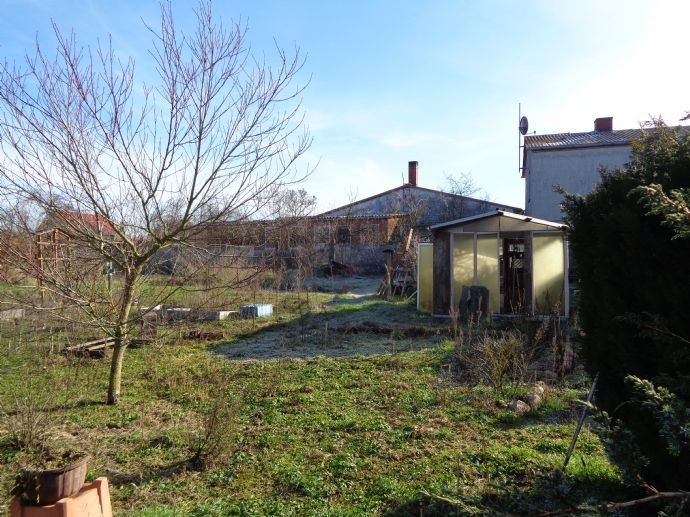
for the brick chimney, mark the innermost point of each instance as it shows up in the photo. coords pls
(603, 124)
(412, 173)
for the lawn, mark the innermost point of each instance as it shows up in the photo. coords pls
(335, 405)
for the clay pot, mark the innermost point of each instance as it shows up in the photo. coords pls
(44, 487)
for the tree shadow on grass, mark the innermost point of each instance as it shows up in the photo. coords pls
(62, 406)
(555, 493)
(550, 493)
(511, 420)
(149, 474)
(372, 329)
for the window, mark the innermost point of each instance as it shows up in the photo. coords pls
(322, 234)
(342, 235)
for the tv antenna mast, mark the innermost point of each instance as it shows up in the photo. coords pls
(523, 127)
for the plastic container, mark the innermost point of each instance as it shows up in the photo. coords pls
(257, 310)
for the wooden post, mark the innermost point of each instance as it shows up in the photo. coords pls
(581, 421)
(39, 257)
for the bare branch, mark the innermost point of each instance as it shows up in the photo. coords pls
(115, 171)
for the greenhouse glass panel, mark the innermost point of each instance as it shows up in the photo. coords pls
(548, 272)
(425, 277)
(487, 268)
(463, 264)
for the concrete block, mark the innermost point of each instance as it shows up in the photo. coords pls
(206, 315)
(93, 500)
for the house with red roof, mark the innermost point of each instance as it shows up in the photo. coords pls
(72, 240)
(75, 223)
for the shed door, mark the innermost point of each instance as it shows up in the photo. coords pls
(513, 265)
(475, 262)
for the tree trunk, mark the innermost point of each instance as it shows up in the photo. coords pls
(120, 335)
(115, 378)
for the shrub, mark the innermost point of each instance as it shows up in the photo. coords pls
(497, 358)
(650, 439)
(634, 275)
(211, 444)
(27, 417)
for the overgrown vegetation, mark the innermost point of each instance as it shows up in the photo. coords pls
(392, 432)
(100, 171)
(509, 356)
(632, 255)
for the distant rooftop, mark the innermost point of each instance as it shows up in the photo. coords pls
(588, 139)
(75, 219)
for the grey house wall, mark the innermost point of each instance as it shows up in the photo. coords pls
(576, 170)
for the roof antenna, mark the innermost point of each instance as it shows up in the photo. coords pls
(523, 127)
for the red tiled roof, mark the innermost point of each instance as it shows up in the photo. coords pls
(95, 222)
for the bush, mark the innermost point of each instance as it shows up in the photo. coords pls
(211, 442)
(633, 276)
(508, 358)
(497, 358)
(651, 437)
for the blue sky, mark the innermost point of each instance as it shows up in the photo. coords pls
(438, 82)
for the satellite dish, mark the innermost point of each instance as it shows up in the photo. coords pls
(524, 126)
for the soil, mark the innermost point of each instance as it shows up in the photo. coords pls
(48, 460)
(378, 327)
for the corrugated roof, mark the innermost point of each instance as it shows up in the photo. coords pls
(501, 213)
(408, 187)
(589, 139)
(360, 216)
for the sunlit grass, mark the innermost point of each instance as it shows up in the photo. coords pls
(360, 435)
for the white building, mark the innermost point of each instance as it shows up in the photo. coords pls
(571, 161)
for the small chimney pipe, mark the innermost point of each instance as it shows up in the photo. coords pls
(412, 173)
(603, 124)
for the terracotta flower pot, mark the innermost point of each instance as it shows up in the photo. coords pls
(44, 487)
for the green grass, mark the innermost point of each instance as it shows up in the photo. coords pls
(361, 435)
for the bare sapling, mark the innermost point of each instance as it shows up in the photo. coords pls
(117, 173)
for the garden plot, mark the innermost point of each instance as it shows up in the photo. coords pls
(352, 323)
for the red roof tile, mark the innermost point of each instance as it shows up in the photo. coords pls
(95, 222)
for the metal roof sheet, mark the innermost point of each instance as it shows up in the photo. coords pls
(589, 139)
(501, 213)
(409, 188)
(359, 216)
(593, 138)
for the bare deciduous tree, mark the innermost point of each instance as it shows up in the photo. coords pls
(142, 167)
(293, 204)
(462, 184)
